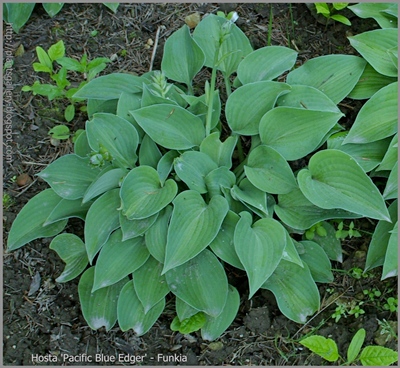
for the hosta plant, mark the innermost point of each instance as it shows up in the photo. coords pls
(176, 188)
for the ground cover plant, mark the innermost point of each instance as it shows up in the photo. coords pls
(167, 199)
(102, 155)
(368, 356)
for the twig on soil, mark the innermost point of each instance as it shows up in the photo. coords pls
(153, 55)
(34, 163)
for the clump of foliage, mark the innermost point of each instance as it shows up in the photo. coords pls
(331, 11)
(326, 348)
(17, 14)
(173, 186)
(62, 89)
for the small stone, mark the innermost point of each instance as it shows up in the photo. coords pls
(54, 142)
(215, 346)
(23, 179)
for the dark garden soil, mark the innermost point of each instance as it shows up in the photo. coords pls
(43, 317)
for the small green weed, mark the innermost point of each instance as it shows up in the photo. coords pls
(369, 356)
(351, 232)
(8, 201)
(391, 304)
(317, 228)
(329, 11)
(62, 87)
(347, 308)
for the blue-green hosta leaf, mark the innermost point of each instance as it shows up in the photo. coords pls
(390, 265)
(377, 119)
(165, 165)
(152, 97)
(246, 106)
(390, 158)
(252, 197)
(215, 326)
(201, 283)
(101, 106)
(194, 224)
(378, 356)
(118, 136)
(17, 14)
(376, 11)
(133, 228)
(69, 176)
(259, 247)
(172, 127)
(109, 179)
(368, 155)
(307, 97)
(223, 245)
(391, 189)
(219, 178)
(380, 240)
(81, 146)
(269, 171)
(99, 308)
(66, 209)
(129, 102)
(335, 180)
(192, 167)
(143, 195)
(373, 46)
(317, 261)
(112, 6)
(72, 251)
(118, 259)
(151, 287)
(337, 74)
(220, 152)
(110, 87)
(156, 235)
(295, 291)
(101, 219)
(234, 205)
(290, 252)
(52, 9)
(235, 46)
(296, 211)
(392, 11)
(266, 63)
(183, 58)
(131, 313)
(149, 154)
(325, 348)
(28, 225)
(369, 83)
(184, 310)
(330, 243)
(299, 132)
(199, 107)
